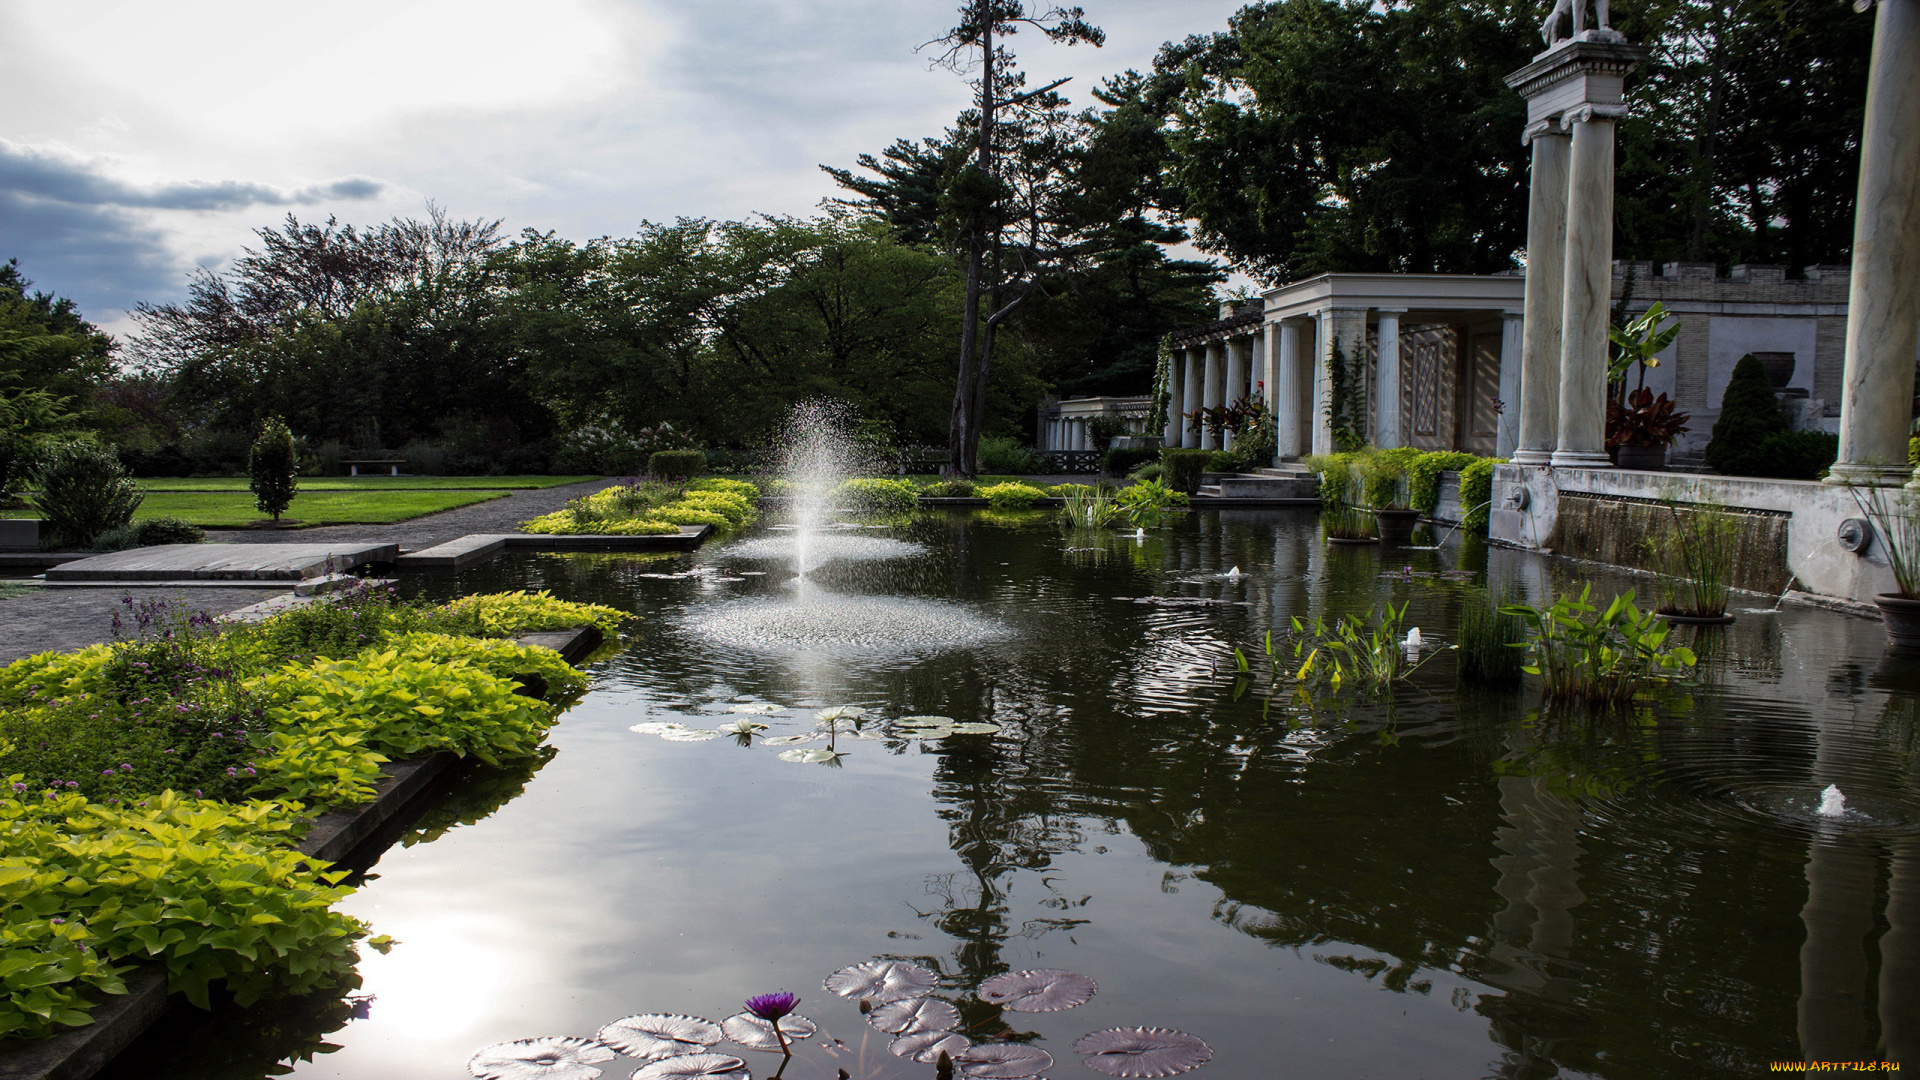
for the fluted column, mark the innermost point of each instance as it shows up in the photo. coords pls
(1539, 404)
(1191, 398)
(1238, 357)
(1215, 388)
(1589, 292)
(1883, 297)
(1386, 381)
(1290, 383)
(1507, 430)
(1176, 378)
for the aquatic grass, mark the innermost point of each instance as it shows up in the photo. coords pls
(1895, 514)
(1086, 507)
(1695, 555)
(1492, 641)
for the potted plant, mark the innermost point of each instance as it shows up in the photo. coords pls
(1639, 432)
(1695, 556)
(1641, 426)
(1384, 484)
(1895, 516)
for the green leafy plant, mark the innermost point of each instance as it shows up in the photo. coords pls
(1146, 503)
(274, 467)
(1383, 481)
(651, 507)
(1346, 398)
(85, 491)
(1364, 656)
(1639, 344)
(1476, 493)
(1423, 476)
(1103, 428)
(878, 495)
(1600, 655)
(676, 464)
(958, 487)
(1084, 506)
(1010, 495)
(998, 454)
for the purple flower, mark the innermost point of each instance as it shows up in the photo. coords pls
(771, 1007)
(19, 787)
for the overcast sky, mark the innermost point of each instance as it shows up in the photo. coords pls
(142, 139)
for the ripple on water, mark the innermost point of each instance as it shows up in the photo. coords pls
(825, 547)
(842, 625)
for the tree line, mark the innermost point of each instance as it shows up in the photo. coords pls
(962, 275)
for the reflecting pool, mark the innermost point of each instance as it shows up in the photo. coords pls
(1453, 885)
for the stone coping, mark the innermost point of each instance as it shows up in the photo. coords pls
(477, 547)
(79, 1053)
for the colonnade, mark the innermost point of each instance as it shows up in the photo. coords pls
(1210, 374)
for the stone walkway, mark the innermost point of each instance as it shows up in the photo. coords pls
(492, 516)
(41, 618)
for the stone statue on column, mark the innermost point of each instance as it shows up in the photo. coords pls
(1576, 11)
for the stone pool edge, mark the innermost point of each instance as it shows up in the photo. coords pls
(81, 1052)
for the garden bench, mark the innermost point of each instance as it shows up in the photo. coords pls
(392, 464)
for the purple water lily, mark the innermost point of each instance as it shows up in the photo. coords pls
(771, 1007)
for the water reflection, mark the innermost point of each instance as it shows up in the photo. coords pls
(1455, 885)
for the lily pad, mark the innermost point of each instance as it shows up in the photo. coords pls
(741, 727)
(926, 1047)
(551, 1057)
(654, 727)
(883, 981)
(1143, 1052)
(1039, 990)
(1002, 1061)
(813, 756)
(925, 721)
(690, 734)
(975, 729)
(695, 1067)
(910, 1016)
(785, 740)
(757, 708)
(655, 1036)
(754, 1033)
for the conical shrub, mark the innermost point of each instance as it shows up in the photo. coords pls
(1750, 418)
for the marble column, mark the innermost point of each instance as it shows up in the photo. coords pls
(1214, 390)
(1346, 329)
(1191, 386)
(1512, 342)
(1239, 351)
(1320, 421)
(1589, 291)
(1387, 432)
(1288, 387)
(1539, 398)
(1176, 375)
(1883, 298)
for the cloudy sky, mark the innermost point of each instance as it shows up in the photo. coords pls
(143, 139)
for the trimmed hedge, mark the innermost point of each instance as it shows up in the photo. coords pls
(1184, 468)
(1122, 460)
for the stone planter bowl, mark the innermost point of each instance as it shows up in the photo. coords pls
(1396, 524)
(1902, 616)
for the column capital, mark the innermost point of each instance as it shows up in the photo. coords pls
(1549, 126)
(1390, 311)
(1584, 113)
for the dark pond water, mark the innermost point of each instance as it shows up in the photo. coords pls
(1450, 886)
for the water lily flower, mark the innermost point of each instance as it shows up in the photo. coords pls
(771, 1007)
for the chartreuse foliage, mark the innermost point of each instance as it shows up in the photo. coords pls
(127, 831)
(651, 507)
(878, 494)
(1012, 495)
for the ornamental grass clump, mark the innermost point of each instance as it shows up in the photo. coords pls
(1695, 555)
(1493, 642)
(1083, 506)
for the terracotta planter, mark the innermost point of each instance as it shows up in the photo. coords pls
(1903, 620)
(1396, 524)
(1644, 458)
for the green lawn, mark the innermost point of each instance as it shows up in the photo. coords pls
(226, 509)
(367, 483)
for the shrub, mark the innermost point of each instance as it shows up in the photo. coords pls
(1382, 477)
(1423, 477)
(1476, 493)
(650, 507)
(999, 454)
(1338, 481)
(1184, 468)
(1146, 503)
(514, 614)
(958, 487)
(274, 467)
(84, 491)
(1011, 495)
(1103, 429)
(1152, 470)
(1222, 461)
(422, 458)
(1254, 445)
(1749, 417)
(1122, 460)
(878, 495)
(169, 530)
(676, 464)
(605, 448)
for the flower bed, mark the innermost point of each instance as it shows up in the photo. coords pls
(156, 787)
(652, 507)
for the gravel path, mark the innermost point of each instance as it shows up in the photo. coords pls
(41, 618)
(492, 516)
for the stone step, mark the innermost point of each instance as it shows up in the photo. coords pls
(1289, 469)
(1260, 486)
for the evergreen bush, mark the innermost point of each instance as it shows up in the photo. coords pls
(85, 491)
(1184, 467)
(1000, 455)
(1122, 460)
(275, 468)
(676, 464)
(1746, 437)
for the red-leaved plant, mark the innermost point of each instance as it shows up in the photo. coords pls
(1644, 421)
